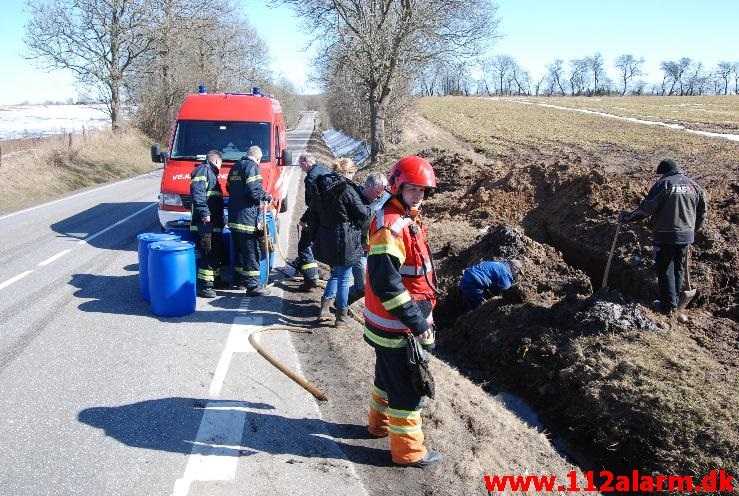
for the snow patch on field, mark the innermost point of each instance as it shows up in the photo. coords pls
(32, 121)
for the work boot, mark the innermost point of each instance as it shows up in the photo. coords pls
(206, 293)
(657, 306)
(431, 459)
(342, 318)
(257, 291)
(308, 284)
(324, 315)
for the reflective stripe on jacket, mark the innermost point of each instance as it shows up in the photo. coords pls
(244, 186)
(398, 297)
(206, 195)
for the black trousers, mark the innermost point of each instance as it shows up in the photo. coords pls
(210, 243)
(669, 262)
(248, 252)
(306, 263)
(393, 376)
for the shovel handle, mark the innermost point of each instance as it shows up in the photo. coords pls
(604, 285)
(687, 268)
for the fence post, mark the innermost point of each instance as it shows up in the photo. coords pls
(70, 139)
(1, 156)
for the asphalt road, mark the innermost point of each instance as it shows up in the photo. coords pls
(100, 396)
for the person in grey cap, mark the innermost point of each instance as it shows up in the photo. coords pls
(677, 207)
(486, 279)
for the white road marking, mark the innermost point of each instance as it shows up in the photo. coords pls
(237, 342)
(99, 233)
(14, 279)
(73, 196)
(52, 258)
(219, 436)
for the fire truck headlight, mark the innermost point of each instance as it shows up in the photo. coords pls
(170, 199)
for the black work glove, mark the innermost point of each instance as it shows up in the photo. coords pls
(624, 216)
(205, 243)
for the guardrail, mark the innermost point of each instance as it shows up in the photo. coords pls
(342, 145)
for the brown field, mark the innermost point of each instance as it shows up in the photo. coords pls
(706, 113)
(627, 388)
(37, 170)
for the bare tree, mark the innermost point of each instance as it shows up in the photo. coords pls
(380, 39)
(595, 66)
(98, 40)
(578, 73)
(555, 76)
(735, 74)
(500, 67)
(674, 73)
(197, 42)
(630, 67)
(723, 72)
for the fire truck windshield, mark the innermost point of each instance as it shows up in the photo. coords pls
(193, 139)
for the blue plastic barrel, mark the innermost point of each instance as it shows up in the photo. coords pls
(145, 239)
(181, 228)
(172, 278)
(266, 267)
(229, 256)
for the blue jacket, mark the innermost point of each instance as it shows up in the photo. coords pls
(492, 277)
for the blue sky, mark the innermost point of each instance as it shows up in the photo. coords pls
(536, 32)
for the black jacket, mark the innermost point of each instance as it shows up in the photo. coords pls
(206, 195)
(310, 186)
(677, 206)
(335, 216)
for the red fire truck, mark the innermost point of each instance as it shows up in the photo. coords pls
(230, 123)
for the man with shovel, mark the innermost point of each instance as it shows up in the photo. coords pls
(677, 207)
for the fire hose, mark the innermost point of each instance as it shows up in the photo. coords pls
(301, 381)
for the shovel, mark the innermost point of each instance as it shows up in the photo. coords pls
(689, 293)
(604, 285)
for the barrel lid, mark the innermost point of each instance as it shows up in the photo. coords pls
(177, 223)
(158, 237)
(172, 246)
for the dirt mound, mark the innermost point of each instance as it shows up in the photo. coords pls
(599, 368)
(602, 369)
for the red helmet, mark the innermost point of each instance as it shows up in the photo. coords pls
(411, 169)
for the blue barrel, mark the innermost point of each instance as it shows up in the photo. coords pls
(145, 239)
(181, 228)
(265, 266)
(229, 255)
(172, 278)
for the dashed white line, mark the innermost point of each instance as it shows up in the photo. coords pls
(14, 279)
(90, 238)
(54, 257)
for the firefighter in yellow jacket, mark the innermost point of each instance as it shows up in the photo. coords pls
(399, 298)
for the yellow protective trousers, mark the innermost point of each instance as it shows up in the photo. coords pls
(395, 408)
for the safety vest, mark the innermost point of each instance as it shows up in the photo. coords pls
(408, 244)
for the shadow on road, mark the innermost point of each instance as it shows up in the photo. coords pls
(84, 225)
(171, 424)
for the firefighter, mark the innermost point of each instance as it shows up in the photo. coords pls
(207, 221)
(305, 262)
(245, 191)
(399, 297)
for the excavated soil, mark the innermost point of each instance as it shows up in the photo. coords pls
(627, 388)
(621, 387)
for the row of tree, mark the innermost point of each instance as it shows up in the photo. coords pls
(147, 55)
(371, 51)
(502, 75)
